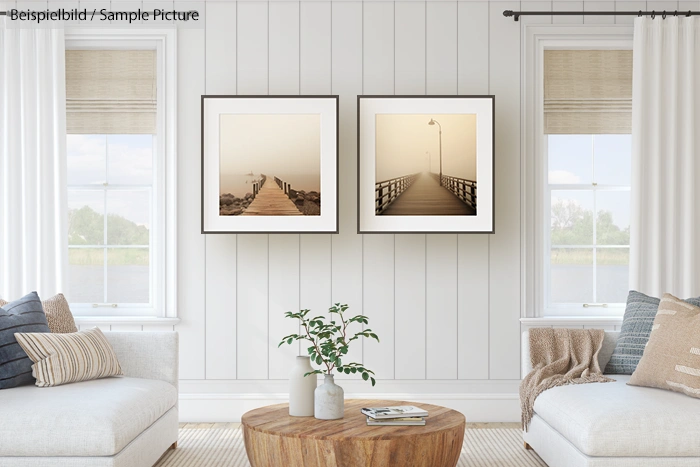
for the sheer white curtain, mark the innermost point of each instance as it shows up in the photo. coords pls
(33, 205)
(665, 228)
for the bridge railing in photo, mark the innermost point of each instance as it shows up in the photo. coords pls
(286, 188)
(387, 191)
(462, 188)
(258, 184)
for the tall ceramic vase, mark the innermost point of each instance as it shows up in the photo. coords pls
(329, 400)
(301, 389)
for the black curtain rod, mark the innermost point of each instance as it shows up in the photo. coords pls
(517, 14)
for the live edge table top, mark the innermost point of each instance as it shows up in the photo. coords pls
(275, 419)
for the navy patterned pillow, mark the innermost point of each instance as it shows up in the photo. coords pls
(23, 315)
(636, 327)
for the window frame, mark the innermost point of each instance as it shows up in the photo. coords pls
(534, 174)
(163, 247)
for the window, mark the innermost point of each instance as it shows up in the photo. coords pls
(588, 195)
(120, 173)
(586, 156)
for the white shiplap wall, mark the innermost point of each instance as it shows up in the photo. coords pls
(447, 307)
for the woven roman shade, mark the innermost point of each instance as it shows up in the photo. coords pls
(588, 91)
(111, 91)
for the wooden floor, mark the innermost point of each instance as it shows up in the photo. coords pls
(214, 426)
(427, 198)
(271, 201)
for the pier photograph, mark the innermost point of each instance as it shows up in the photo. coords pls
(270, 165)
(425, 164)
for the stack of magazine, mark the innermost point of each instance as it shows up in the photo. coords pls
(402, 415)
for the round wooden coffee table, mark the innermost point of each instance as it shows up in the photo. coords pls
(273, 438)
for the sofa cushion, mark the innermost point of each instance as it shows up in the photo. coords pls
(91, 418)
(23, 315)
(614, 419)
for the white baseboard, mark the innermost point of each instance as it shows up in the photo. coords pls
(229, 407)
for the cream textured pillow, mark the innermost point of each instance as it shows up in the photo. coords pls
(671, 359)
(68, 358)
(58, 314)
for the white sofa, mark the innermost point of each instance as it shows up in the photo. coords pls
(127, 421)
(613, 424)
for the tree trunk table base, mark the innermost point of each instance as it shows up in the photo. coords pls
(273, 438)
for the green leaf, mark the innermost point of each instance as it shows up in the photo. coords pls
(365, 376)
(373, 381)
(290, 340)
(337, 361)
(319, 360)
(354, 370)
(347, 370)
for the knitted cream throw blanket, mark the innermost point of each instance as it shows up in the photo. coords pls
(560, 357)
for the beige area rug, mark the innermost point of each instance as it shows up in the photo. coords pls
(223, 447)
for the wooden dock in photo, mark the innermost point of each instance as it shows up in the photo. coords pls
(425, 197)
(271, 201)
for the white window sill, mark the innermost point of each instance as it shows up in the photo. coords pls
(126, 320)
(572, 321)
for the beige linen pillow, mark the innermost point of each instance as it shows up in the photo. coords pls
(68, 358)
(671, 359)
(57, 312)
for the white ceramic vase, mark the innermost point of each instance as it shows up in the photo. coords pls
(301, 389)
(329, 400)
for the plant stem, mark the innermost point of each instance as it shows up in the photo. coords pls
(318, 351)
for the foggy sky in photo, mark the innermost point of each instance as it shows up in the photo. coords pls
(271, 144)
(402, 142)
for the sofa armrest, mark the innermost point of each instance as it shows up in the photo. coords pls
(149, 355)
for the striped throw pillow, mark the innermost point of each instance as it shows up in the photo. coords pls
(672, 357)
(69, 358)
(23, 315)
(58, 314)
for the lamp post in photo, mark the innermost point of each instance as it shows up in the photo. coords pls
(435, 122)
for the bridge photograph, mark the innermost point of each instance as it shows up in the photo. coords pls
(270, 165)
(425, 165)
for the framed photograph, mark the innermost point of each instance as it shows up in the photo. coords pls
(269, 164)
(425, 164)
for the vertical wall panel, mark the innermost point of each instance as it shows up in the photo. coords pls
(190, 247)
(598, 6)
(409, 299)
(378, 250)
(315, 273)
(567, 6)
(315, 47)
(252, 34)
(473, 250)
(441, 314)
(284, 48)
(220, 283)
(252, 305)
(410, 57)
(441, 250)
(504, 271)
(378, 48)
(347, 83)
(409, 275)
(441, 44)
(283, 295)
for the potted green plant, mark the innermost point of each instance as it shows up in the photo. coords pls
(330, 339)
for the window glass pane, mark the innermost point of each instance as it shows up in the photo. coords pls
(613, 159)
(572, 217)
(86, 159)
(128, 219)
(572, 275)
(86, 217)
(570, 159)
(613, 219)
(128, 275)
(612, 274)
(130, 159)
(85, 275)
